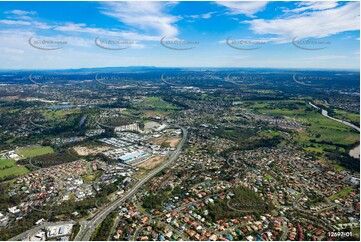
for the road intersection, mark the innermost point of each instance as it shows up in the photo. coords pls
(88, 227)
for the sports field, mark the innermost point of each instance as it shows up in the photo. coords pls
(33, 151)
(9, 167)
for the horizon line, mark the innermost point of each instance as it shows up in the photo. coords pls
(183, 67)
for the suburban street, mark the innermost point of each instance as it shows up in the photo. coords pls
(88, 227)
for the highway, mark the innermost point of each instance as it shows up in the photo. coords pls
(88, 227)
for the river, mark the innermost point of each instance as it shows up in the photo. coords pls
(355, 152)
(82, 121)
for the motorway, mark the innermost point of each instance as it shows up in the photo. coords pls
(88, 227)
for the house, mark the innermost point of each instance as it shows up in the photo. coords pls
(145, 220)
(213, 237)
(318, 232)
(14, 210)
(169, 234)
(39, 221)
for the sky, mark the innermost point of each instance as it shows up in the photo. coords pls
(63, 35)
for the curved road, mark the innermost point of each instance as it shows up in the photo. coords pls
(88, 227)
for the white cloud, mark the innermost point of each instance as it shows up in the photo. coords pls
(146, 16)
(245, 8)
(83, 28)
(40, 25)
(14, 22)
(316, 24)
(14, 39)
(20, 12)
(78, 30)
(201, 16)
(15, 49)
(207, 15)
(31, 23)
(250, 40)
(21, 17)
(304, 6)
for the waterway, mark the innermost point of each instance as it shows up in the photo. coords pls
(64, 106)
(82, 121)
(355, 152)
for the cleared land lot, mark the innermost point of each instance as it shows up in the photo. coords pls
(152, 163)
(33, 151)
(150, 125)
(93, 150)
(172, 141)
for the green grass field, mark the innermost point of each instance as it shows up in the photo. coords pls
(347, 116)
(268, 176)
(6, 162)
(52, 118)
(147, 113)
(56, 114)
(317, 128)
(13, 170)
(154, 103)
(323, 129)
(35, 151)
(89, 178)
(342, 193)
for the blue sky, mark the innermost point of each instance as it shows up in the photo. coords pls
(105, 34)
